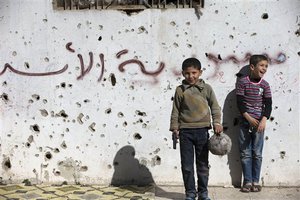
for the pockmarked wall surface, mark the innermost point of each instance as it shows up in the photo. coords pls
(86, 95)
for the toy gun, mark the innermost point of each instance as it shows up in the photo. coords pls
(174, 138)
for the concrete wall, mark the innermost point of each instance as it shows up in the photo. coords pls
(86, 95)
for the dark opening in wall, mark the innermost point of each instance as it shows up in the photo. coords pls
(136, 5)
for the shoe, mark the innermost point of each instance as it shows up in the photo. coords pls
(246, 188)
(255, 188)
(189, 198)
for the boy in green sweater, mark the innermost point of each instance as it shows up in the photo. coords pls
(193, 107)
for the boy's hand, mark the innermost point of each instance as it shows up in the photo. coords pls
(176, 133)
(262, 125)
(218, 128)
(252, 121)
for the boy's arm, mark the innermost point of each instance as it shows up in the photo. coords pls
(215, 111)
(242, 108)
(174, 126)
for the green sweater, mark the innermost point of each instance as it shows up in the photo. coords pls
(194, 106)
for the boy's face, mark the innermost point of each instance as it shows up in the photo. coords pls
(259, 70)
(191, 75)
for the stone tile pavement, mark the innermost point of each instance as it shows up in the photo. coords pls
(91, 192)
(74, 192)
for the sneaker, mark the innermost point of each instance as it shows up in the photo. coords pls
(189, 198)
(205, 198)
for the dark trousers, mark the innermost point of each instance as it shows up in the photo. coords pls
(194, 142)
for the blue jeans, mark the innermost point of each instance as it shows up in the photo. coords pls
(251, 146)
(194, 141)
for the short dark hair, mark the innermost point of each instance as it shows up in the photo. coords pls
(254, 59)
(191, 62)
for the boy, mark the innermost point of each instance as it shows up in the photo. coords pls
(255, 104)
(194, 105)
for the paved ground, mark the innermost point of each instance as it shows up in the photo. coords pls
(90, 192)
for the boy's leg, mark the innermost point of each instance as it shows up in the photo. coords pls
(201, 149)
(187, 162)
(245, 143)
(257, 148)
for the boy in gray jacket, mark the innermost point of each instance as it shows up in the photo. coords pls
(193, 107)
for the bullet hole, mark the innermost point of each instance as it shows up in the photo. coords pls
(175, 44)
(109, 166)
(298, 32)
(219, 57)
(108, 111)
(78, 104)
(144, 125)
(92, 127)
(56, 150)
(290, 109)
(83, 168)
(266, 138)
(137, 136)
(63, 85)
(116, 163)
(265, 16)
(282, 154)
(46, 59)
(35, 128)
(231, 36)
(298, 53)
(48, 155)
(272, 160)
(14, 53)
(27, 65)
(253, 34)
(63, 145)
(27, 144)
(4, 97)
(44, 113)
(140, 113)
(157, 150)
(61, 114)
(102, 135)
(156, 160)
(142, 29)
(30, 101)
(86, 100)
(112, 79)
(4, 83)
(45, 101)
(56, 173)
(172, 98)
(124, 124)
(131, 87)
(120, 114)
(271, 119)
(140, 120)
(6, 163)
(79, 118)
(99, 38)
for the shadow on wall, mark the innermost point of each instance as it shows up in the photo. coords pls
(231, 116)
(129, 172)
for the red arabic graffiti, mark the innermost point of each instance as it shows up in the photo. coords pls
(84, 70)
(8, 66)
(218, 60)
